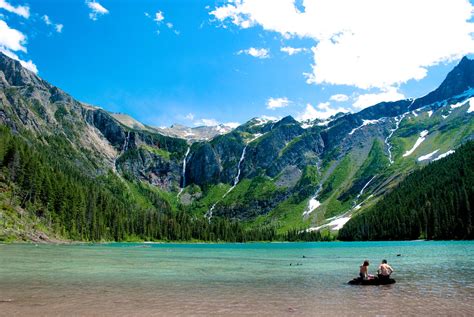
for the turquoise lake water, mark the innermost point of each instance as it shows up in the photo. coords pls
(264, 279)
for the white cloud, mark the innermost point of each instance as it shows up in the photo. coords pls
(270, 118)
(57, 27)
(339, 98)
(366, 43)
(292, 50)
(387, 94)
(97, 10)
(256, 52)
(206, 122)
(159, 17)
(231, 125)
(27, 64)
(23, 11)
(189, 116)
(322, 111)
(11, 39)
(46, 19)
(213, 123)
(274, 103)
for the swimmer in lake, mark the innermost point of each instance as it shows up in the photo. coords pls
(364, 270)
(384, 270)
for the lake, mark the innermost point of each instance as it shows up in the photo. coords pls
(265, 279)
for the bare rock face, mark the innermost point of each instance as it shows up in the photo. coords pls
(15, 75)
(204, 168)
(289, 177)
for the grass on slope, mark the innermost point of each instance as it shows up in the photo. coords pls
(160, 152)
(212, 195)
(288, 215)
(339, 179)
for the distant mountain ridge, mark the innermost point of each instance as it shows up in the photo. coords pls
(284, 174)
(192, 134)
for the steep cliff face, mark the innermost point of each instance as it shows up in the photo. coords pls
(281, 173)
(31, 105)
(203, 167)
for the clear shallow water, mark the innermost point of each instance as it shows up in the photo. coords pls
(435, 278)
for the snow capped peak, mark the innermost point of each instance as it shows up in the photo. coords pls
(263, 120)
(317, 122)
(199, 133)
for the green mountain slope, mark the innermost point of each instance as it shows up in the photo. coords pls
(435, 202)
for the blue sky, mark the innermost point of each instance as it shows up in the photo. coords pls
(199, 62)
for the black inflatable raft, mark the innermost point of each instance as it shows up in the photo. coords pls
(372, 281)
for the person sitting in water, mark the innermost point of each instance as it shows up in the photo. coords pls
(364, 270)
(384, 270)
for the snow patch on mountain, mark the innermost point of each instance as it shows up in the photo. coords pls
(320, 123)
(364, 123)
(335, 224)
(444, 155)
(312, 205)
(427, 156)
(420, 140)
(462, 103)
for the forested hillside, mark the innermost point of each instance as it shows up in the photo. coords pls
(435, 202)
(75, 206)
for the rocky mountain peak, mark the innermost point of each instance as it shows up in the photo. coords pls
(288, 120)
(13, 74)
(460, 79)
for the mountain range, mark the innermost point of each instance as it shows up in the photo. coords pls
(283, 174)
